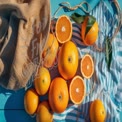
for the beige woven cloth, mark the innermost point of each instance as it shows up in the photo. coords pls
(24, 27)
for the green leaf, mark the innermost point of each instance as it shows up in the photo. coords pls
(90, 22)
(78, 18)
(108, 49)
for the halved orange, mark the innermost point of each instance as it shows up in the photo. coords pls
(87, 66)
(63, 29)
(77, 90)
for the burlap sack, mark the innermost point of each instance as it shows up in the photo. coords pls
(24, 27)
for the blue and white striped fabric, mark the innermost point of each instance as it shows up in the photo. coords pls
(107, 84)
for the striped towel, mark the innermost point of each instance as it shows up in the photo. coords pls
(107, 84)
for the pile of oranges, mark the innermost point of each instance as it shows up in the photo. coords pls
(68, 86)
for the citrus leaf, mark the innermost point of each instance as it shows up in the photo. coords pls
(90, 22)
(78, 18)
(108, 50)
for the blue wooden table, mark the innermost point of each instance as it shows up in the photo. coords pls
(11, 103)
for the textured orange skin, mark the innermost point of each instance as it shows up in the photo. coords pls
(50, 51)
(58, 95)
(31, 101)
(68, 60)
(42, 81)
(43, 113)
(91, 37)
(97, 111)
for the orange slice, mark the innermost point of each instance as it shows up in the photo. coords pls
(77, 90)
(63, 29)
(87, 66)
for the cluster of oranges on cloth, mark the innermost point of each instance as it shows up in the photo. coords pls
(68, 86)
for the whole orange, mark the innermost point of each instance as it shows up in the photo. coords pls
(43, 113)
(68, 60)
(91, 36)
(31, 100)
(42, 81)
(58, 95)
(97, 111)
(50, 51)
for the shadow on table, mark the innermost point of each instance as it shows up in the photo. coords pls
(14, 108)
(5, 91)
(82, 114)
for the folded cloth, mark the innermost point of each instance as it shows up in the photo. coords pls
(24, 27)
(107, 84)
